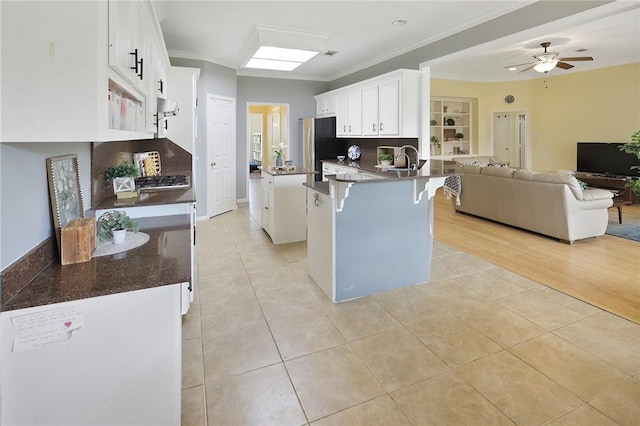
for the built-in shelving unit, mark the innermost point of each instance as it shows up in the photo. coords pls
(452, 127)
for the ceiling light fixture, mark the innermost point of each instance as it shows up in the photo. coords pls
(399, 22)
(548, 60)
(281, 49)
(546, 65)
(512, 68)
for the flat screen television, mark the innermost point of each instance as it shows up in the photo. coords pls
(605, 158)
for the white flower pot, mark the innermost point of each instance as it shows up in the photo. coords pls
(119, 236)
(121, 184)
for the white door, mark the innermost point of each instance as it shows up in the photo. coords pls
(509, 137)
(502, 136)
(221, 153)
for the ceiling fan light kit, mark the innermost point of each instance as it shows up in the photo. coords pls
(547, 61)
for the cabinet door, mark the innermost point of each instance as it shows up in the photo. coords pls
(370, 125)
(124, 50)
(342, 115)
(267, 209)
(355, 113)
(389, 110)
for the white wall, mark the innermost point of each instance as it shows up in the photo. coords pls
(25, 209)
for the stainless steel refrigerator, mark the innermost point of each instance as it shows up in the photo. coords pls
(320, 143)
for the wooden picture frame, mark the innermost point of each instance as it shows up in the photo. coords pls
(64, 191)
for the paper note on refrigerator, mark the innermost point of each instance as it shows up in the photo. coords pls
(43, 328)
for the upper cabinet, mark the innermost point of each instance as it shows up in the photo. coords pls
(349, 113)
(385, 106)
(80, 71)
(325, 105)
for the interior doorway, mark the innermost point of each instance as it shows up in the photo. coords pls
(221, 170)
(267, 126)
(509, 137)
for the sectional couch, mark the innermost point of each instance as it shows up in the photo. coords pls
(546, 203)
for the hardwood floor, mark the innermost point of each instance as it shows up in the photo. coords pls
(603, 271)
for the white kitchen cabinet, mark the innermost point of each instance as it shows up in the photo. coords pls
(182, 128)
(384, 106)
(320, 240)
(57, 84)
(349, 113)
(111, 360)
(325, 105)
(284, 215)
(329, 168)
(125, 43)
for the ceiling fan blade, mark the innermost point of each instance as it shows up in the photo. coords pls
(577, 58)
(564, 65)
(519, 65)
(528, 68)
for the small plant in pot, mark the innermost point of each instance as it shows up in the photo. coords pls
(459, 136)
(385, 159)
(123, 176)
(633, 147)
(114, 225)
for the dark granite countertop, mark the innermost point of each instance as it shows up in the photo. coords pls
(150, 197)
(165, 259)
(432, 169)
(321, 186)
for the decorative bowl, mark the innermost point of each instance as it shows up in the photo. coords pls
(341, 158)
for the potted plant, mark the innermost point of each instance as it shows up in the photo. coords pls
(433, 122)
(114, 225)
(278, 152)
(385, 159)
(435, 140)
(633, 147)
(123, 176)
(459, 136)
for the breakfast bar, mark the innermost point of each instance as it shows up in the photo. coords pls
(371, 232)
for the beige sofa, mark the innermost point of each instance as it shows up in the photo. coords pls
(550, 204)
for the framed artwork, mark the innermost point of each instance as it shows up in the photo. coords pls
(64, 191)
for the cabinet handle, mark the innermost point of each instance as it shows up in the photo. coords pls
(141, 75)
(135, 60)
(316, 201)
(381, 126)
(166, 124)
(161, 86)
(344, 128)
(266, 207)
(349, 128)
(374, 127)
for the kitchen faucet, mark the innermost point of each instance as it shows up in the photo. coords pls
(402, 151)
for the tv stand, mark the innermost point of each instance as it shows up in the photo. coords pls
(615, 183)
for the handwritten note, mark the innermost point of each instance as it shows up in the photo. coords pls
(40, 329)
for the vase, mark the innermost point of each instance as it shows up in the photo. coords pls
(119, 236)
(121, 184)
(278, 161)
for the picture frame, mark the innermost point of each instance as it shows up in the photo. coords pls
(63, 173)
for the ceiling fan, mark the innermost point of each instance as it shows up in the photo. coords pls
(547, 61)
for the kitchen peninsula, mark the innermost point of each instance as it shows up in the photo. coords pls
(371, 232)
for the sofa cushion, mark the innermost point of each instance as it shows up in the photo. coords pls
(498, 171)
(471, 168)
(569, 180)
(524, 174)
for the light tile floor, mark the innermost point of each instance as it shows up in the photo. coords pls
(476, 345)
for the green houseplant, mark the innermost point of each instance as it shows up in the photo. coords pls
(122, 170)
(633, 147)
(115, 221)
(385, 158)
(459, 136)
(122, 175)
